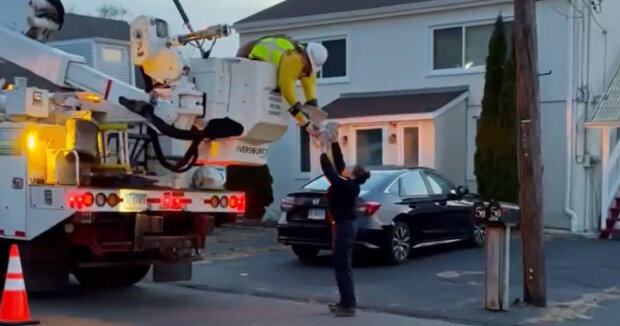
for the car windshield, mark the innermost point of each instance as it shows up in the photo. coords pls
(376, 177)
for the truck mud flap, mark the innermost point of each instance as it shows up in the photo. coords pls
(173, 272)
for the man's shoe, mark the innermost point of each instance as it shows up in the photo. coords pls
(344, 312)
(333, 306)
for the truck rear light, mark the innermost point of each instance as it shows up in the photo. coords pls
(241, 204)
(113, 200)
(80, 201)
(233, 201)
(100, 199)
(368, 208)
(224, 202)
(170, 202)
(166, 202)
(214, 201)
(88, 199)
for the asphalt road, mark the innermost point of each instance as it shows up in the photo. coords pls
(440, 283)
(157, 305)
(248, 279)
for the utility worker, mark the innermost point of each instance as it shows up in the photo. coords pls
(294, 62)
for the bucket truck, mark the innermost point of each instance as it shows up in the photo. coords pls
(69, 193)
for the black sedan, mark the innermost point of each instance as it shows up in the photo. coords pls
(398, 210)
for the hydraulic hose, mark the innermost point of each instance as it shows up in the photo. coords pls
(186, 163)
(216, 128)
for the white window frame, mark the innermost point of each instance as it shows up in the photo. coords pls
(331, 37)
(384, 141)
(400, 142)
(463, 25)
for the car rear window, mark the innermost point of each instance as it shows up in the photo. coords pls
(376, 178)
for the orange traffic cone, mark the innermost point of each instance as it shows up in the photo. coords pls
(14, 308)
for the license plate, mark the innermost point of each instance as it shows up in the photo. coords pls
(134, 201)
(316, 214)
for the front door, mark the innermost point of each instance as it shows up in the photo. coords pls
(411, 148)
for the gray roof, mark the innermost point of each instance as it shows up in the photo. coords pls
(426, 100)
(300, 8)
(608, 109)
(79, 26)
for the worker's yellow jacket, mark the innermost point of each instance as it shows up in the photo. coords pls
(292, 66)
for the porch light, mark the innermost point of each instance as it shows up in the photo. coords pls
(392, 139)
(345, 140)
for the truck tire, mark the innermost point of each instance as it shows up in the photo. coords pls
(111, 277)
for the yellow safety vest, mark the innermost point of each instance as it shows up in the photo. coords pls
(271, 49)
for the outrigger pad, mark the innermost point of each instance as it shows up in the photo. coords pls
(223, 128)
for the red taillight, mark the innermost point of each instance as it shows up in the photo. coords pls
(368, 208)
(79, 201)
(233, 202)
(88, 199)
(168, 202)
(241, 204)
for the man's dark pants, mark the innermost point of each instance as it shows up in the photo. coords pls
(343, 257)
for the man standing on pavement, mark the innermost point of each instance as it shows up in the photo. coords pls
(341, 200)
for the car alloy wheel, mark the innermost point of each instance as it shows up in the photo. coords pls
(401, 242)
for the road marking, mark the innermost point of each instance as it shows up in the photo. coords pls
(561, 311)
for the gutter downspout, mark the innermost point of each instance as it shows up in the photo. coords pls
(570, 133)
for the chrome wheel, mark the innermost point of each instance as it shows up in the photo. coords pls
(480, 235)
(401, 243)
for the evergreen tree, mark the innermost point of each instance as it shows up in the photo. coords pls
(485, 159)
(507, 187)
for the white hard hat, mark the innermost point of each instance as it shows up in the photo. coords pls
(317, 54)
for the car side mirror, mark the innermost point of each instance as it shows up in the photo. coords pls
(459, 192)
(462, 190)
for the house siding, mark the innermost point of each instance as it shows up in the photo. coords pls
(395, 54)
(451, 142)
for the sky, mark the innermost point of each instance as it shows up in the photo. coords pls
(201, 13)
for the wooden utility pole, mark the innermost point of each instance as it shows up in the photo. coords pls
(530, 168)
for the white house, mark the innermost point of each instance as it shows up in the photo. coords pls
(406, 78)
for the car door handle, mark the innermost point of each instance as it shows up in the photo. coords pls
(440, 203)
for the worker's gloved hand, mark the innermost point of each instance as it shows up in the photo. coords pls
(313, 102)
(317, 116)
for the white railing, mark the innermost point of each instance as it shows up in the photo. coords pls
(611, 180)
